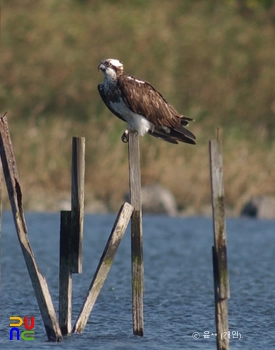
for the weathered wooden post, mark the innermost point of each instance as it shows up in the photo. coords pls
(221, 283)
(1, 185)
(71, 235)
(78, 175)
(15, 196)
(104, 265)
(65, 275)
(136, 234)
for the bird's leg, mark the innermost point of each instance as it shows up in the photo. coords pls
(125, 136)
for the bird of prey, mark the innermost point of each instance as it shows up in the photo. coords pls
(139, 104)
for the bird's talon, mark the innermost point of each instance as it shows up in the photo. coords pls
(125, 136)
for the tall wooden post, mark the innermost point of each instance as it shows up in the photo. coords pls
(221, 284)
(15, 195)
(136, 234)
(78, 174)
(65, 275)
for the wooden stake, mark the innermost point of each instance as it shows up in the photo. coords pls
(104, 265)
(15, 195)
(65, 275)
(136, 234)
(1, 212)
(221, 284)
(78, 175)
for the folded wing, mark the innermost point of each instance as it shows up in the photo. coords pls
(142, 98)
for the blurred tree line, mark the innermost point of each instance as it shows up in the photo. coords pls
(213, 60)
(211, 63)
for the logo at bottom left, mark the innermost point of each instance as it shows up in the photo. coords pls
(22, 328)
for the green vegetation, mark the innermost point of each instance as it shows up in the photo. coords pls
(213, 60)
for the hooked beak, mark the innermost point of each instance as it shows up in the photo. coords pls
(101, 67)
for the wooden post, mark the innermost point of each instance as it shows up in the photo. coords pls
(78, 174)
(65, 275)
(104, 265)
(15, 195)
(221, 283)
(1, 212)
(136, 234)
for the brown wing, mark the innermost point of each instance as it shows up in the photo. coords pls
(143, 99)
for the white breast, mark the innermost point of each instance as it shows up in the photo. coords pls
(135, 121)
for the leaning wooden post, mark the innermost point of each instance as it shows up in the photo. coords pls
(78, 174)
(136, 234)
(15, 195)
(65, 275)
(221, 283)
(104, 265)
(1, 208)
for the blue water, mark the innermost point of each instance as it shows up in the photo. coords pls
(178, 298)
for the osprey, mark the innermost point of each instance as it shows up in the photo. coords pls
(140, 105)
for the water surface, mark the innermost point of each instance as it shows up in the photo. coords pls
(178, 297)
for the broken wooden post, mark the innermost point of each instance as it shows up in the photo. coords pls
(77, 205)
(65, 275)
(136, 234)
(71, 235)
(15, 196)
(221, 283)
(104, 265)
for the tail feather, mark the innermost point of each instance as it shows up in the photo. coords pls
(180, 134)
(181, 131)
(185, 120)
(163, 136)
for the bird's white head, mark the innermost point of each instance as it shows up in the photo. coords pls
(111, 68)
